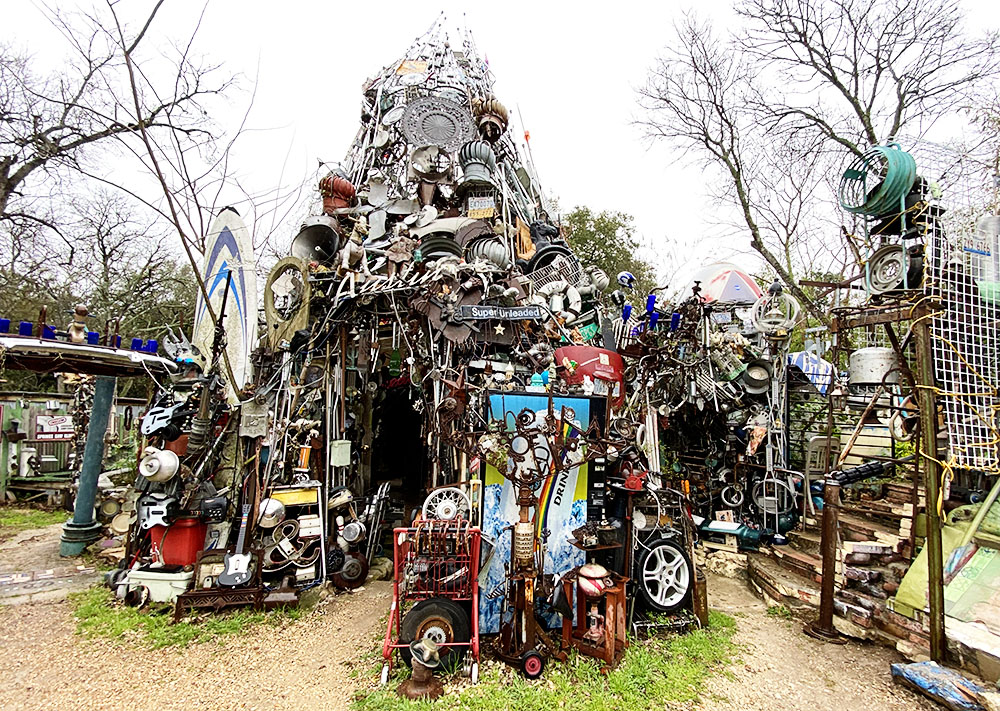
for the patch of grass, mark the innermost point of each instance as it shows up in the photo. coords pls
(99, 614)
(653, 674)
(780, 612)
(15, 520)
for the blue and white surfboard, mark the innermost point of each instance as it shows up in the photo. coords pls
(229, 249)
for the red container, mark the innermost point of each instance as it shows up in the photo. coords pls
(180, 543)
(598, 363)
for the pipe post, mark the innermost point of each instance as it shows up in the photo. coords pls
(823, 629)
(83, 529)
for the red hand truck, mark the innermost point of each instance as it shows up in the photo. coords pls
(434, 560)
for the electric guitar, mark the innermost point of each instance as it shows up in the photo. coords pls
(237, 564)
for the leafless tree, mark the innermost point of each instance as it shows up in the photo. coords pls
(700, 98)
(780, 105)
(858, 72)
(52, 124)
(123, 98)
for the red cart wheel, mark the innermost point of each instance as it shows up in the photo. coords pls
(532, 664)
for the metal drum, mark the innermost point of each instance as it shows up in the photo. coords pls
(869, 366)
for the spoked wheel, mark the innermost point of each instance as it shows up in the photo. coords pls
(440, 620)
(665, 576)
(447, 504)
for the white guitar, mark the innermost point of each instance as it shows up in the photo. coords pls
(237, 564)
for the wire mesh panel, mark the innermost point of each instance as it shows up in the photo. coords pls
(962, 273)
(563, 267)
(964, 277)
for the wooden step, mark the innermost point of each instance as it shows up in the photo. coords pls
(779, 584)
(894, 519)
(794, 561)
(805, 541)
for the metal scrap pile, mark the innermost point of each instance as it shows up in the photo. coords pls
(432, 342)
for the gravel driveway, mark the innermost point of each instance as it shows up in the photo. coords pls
(307, 664)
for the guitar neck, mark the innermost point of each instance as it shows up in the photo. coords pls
(243, 529)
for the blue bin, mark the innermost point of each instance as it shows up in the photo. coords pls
(25, 328)
(4, 325)
(93, 338)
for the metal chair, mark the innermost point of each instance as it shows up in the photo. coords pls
(822, 453)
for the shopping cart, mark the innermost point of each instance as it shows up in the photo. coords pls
(436, 567)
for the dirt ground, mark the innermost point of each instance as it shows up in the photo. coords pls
(307, 663)
(31, 569)
(303, 665)
(781, 668)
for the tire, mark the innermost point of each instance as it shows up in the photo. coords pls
(532, 664)
(354, 573)
(440, 619)
(665, 576)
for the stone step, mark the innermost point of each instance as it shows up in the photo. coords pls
(797, 562)
(856, 613)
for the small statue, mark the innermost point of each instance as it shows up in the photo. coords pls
(400, 252)
(353, 258)
(77, 329)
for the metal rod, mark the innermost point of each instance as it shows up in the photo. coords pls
(932, 477)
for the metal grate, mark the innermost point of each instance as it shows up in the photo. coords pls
(963, 275)
(562, 267)
(961, 271)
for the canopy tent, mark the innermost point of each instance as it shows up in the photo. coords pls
(728, 284)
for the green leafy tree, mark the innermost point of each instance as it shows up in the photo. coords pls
(607, 240)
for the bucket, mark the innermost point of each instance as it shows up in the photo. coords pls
(180, 543)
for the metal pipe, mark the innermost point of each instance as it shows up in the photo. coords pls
(823, 629)
(932, 479)
(83, 529)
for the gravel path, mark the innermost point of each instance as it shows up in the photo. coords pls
(781, 668)
(308, 663)
(303, 664)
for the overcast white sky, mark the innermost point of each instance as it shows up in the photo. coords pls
(570, 68)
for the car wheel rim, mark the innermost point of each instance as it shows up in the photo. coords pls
(665, 576)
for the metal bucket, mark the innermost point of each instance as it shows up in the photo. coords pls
(869, 366)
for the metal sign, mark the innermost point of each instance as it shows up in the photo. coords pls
(54, 427)
(500, 313)
(481, 207)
